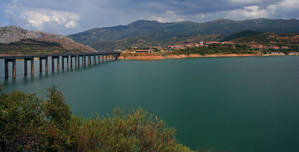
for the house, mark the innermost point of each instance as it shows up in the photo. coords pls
(212, 42)
(190, 45)
(201, 43)
(274, 47)
(145, 51)
(257, 47)
(227, 42)
(176, 47)
(285, 47)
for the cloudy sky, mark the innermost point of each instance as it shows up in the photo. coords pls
(71, 16)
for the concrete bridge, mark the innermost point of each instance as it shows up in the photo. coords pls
(70, 60)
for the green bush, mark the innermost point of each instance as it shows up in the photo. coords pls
(29, 123)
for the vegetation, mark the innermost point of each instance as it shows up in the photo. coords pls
(30, 46)
(30, 123)
(215, 49)
(290, 40)
(145, 33)
(241, 34)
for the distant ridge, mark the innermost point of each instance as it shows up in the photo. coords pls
(291, 40)
(145, 33)
(241, 34)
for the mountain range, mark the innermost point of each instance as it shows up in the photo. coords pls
(145, 33)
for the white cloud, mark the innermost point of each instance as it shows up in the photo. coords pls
(283, 9)
(247, 12)
(71, 24)
(41, 18)
(169, 16)
(159, 19)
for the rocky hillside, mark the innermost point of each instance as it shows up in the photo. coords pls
(286, 41)
(15, 40)
(144, 33)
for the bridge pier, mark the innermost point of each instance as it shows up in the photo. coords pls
(89, 60)
(32, 67)
(63, 62)
(47, 66)
(53, 70)
(41, 64)
(71, 62)
(94, 59)
(78, 61)
(14, 70)
(25, 67)
(68, 62)
(84, 61)
(58, 64)
(6, 69)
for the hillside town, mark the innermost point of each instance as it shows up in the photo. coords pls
(265, 49)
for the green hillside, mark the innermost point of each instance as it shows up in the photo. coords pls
(29, 47)
(242, 34)
(271, 39)
(143, 33)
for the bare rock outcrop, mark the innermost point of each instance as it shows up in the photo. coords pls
(12, 34)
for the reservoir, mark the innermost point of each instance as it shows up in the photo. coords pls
(248, 104)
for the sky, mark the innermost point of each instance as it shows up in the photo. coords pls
(72, 16)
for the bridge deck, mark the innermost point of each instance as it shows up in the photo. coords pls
(55, 55)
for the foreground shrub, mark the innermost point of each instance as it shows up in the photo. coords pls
(28, 123)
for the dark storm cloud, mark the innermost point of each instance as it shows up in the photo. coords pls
(69, 16)
(189, 6)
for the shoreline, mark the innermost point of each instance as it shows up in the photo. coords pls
(160, 57)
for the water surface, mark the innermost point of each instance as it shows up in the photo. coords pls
(248, 104)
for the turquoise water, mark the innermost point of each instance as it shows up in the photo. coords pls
(232, 104)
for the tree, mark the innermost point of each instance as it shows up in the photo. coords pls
(28, 123)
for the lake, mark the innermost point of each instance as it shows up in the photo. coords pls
(248, 104)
